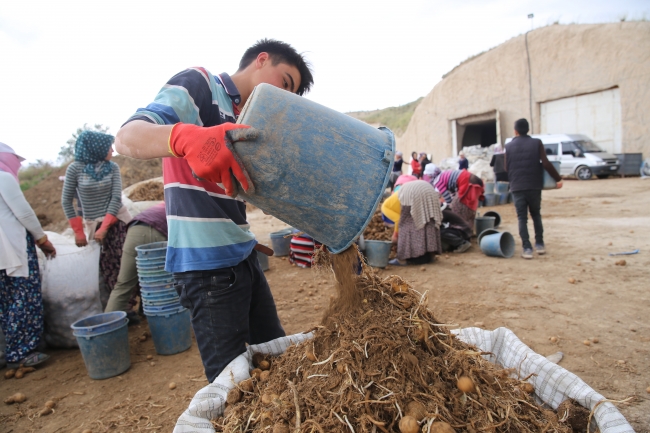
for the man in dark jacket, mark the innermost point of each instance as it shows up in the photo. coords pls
(525, 163)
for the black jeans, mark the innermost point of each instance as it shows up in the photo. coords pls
(525, 201)
(229, 308)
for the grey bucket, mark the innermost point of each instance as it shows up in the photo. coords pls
(281, 242)
(489, 187)
(503, 197)
(491, 199)
(378, 252)
(485, 233)
(483, 223)
(495, 214)
(498, 245)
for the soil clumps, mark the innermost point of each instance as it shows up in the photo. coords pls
(148, 191)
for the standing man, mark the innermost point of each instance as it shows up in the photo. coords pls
(397, 170)
(525, 163)
(463, 163)
(211, 251)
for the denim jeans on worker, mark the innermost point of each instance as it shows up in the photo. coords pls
(229, 308)
(529, 201)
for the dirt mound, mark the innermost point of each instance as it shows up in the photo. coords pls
(377, 230)
(45, 197)
(373, 368)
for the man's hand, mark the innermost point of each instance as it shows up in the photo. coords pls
(206, 152)
(559, 185)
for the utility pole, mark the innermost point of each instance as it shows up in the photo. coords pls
(532, 20)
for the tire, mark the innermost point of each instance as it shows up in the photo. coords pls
(602, 176)
(584, 173)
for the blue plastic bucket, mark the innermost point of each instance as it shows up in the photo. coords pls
(313, 167)
(503, 197)
(485, 233)
(171, 333)
(152, 251)
(281, 242)
(156, 279)
(483, 223)
(491, 199)
(498, 245)
(495, 214)
(489, 188)
(104, 344)
(161, 309)
(150, 267)
(549, 182)
(502, 187)
(378, 252)
(152, 261)
(156, 286)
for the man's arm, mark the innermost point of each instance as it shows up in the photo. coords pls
(143, 140)
(547, 164)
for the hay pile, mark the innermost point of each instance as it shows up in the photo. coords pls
(148, 191)
(379, 366)
(377, 230)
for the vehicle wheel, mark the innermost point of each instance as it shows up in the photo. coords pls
(584, 173)
(602, 176)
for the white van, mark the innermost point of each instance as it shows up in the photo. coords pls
(578, 155)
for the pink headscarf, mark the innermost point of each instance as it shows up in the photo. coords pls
(9, 161)
(404, 179)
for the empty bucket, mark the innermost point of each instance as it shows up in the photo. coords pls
(171, 332)
(378, 252)
(484, 233)
(483, 223)
(281, 242)
(495, 214)
(104, 343)
(263, 260)
(502, 187)
(314, 167)
(503, 197)
(549, 182)
(489, 188)
(498, 245)
(491, 199)
(152, 251)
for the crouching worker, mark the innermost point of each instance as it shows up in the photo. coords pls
(418, 237)
(462, 191)
(147, 227)
(455, 233)
(211, 251)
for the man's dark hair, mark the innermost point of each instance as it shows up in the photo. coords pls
(475, 180)
(281, 52)
(522, 127)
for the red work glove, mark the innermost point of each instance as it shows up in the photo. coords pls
(100, 234)
(206, 152)
(77, 225)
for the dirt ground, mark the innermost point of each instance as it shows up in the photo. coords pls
(584, 222)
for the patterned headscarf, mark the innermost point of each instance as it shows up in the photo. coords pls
(92, 148)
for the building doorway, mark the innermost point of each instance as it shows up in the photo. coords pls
(479, 129)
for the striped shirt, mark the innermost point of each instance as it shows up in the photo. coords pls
(207, 229)
(447, 184)
(97, 197)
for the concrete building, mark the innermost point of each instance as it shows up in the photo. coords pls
(586, 79)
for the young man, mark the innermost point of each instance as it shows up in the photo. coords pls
(210, 248)
(525, 163)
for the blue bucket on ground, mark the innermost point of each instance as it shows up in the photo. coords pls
(378, 252)
(171, 332)
(489, 188)
(498, 245)
(313, 167)
(502, 187)
(104, 344)
(503, 197)
(549, 182)
(152, 251)
(495, 214)
(281, 242)
(491, 199)
(485, 233)
(483, 223)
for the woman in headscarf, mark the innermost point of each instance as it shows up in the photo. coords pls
(418, 238)
(431, 171)
(98, 182)
(21, 303)
(416, 168)
(462, 191)
(390, 208)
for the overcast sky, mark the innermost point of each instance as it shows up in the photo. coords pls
(66, 63)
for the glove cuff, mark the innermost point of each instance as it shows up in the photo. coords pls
(108, 221)
(77, 226)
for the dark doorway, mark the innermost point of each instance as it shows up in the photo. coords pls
(483, 133)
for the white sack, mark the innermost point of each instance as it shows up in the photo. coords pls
(482, 169)
(553, 384)
(70, 288)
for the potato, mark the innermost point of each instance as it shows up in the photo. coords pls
(143, 338)
(340, 367)
(281, 428)
(595, 340)
(50, 403)
(572, 280)
(10, 373)
(587, 343)
(45, 411)
(264, 376)
(172, 385)
(257, 358)
(19, 374)
(16, 398)
(87, 431)
(441, 427)
(234, 395)
(528, 388)
(255, 374)
(408, 424)
(416, 410)
(553, 339)
(647, 390)
(264, 365)
(268, 398)
(246, 385)
(309, 354)
(465, 384)
(266, 419)
(149, 357)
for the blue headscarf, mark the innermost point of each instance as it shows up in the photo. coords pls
(92, 148)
